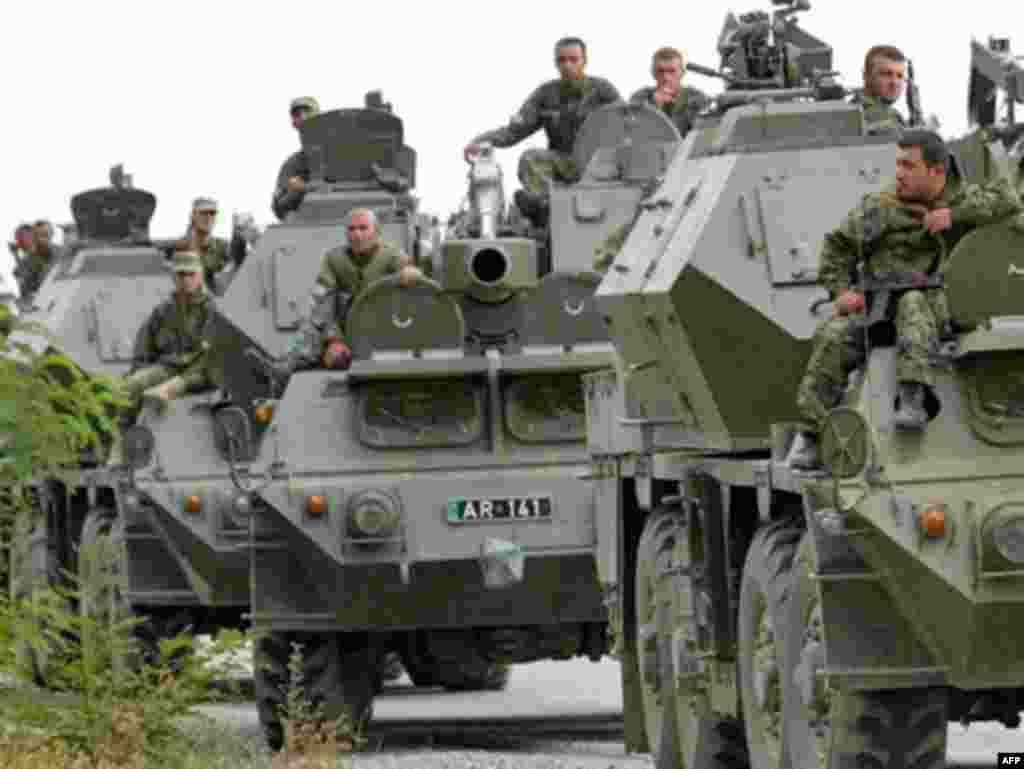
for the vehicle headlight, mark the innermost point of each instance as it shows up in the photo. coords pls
(1008, 537)
(372, 514)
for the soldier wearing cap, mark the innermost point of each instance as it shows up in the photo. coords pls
(169, 356)
(290, 187)
(215, 253)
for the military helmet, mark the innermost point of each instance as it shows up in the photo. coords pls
(304, 102)
(187, 261)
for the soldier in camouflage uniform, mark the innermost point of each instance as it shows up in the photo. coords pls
(37, 258)
(559, 107)
(290, 187)
(908, 230)
(170, 352)
(344, 272)
(885, 72)
(215, 253)
(680, 103)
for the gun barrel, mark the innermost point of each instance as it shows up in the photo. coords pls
(700, 69)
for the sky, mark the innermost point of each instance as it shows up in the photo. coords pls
(192, 97)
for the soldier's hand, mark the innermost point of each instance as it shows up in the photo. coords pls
(337, 356)
(471, 151)
(408, 275)
(662, 97)
(938, 220)
(849, 303)
(296, 184)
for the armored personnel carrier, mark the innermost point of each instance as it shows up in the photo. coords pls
(774, 618)
(89, 307)
(426, 501)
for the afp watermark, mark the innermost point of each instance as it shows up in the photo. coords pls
(1011, 759)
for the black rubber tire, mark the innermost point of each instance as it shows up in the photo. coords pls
(270, 678)
(341, 673)
(894, 729)
(653, 557)
(471, 672)
(764, 594)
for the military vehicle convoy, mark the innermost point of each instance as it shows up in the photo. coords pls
(767, 617)
(426, 501)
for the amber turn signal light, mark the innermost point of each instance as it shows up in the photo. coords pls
(315, 505)
(933, 519)
(193, 505)
(264, 413)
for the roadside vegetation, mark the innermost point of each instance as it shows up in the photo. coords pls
(102, 703)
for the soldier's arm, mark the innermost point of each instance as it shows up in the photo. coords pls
(839, 250)
(523, 124)
(145, 351)
(980, 204)
(284, 200)
(326, 277)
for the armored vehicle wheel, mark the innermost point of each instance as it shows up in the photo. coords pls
(340, 674)
(100, 575)
(706, 740)
(654, 556)
(764, 593)
(468, 672)
(828, 727)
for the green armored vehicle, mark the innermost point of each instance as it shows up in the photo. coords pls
(106, 280)
(776, 618)
(427, 501)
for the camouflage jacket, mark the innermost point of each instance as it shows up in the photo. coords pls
(173, 336)
(681, 110)
(283, 201)
(31, 270)
(879, 117)
(901, 242)
(343, 271)
(558, 109)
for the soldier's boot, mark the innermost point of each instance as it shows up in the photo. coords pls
(163, 394)
(805, 453)
(533, 206)
(911, 414)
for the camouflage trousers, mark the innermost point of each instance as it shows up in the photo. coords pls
(840, 347)
(144, 378)
(537, 166)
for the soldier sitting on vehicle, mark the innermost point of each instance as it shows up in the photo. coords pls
(170, 352)
(39, 255)
(344, 272)
(215, 253)
(559, 107)
(885, 73)
(290, 187)
(906, 231)
(680, 103)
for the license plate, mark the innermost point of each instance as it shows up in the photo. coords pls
(484, 509)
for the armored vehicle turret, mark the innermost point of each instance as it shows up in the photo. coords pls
(783, 618)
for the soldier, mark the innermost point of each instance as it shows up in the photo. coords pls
(169, 356)
(348, 270)
(38, 257)
(885, 72)
(290, 187)
(560, 108)
(910, 229)
(680, 103)
(215, 253)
